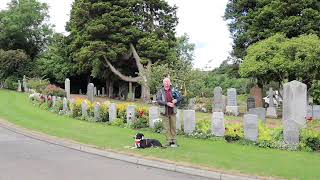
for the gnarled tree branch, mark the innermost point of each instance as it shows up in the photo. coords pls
(118, 73)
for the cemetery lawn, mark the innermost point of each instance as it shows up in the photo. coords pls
(215, 154)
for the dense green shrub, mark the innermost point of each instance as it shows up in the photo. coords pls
(158, 127)
(11, 83)
(38, 84)
(139, 123)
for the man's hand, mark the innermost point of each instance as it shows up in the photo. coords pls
(174, 101)
(170, 104)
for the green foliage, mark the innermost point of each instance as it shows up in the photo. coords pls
(54, 62)
(11, 83)
(203, 126)
(253, 21)
(158, 127)
(100, 29)
(104, 112)
(58, 106)
(309, 140)
(38, 84)
(315, 90)
(118, 122)
(24, 26)
(278, 58)
(54, 91)
(140, 123)
(234, 132)
(12, 62)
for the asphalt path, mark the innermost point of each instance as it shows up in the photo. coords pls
(24, 158)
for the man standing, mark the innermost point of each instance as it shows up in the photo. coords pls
(168, 98)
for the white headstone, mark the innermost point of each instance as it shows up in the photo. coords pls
(316, 111)
(309, 112)
(97, 112)
(260, 112)
(217, 124)
(178, 119)
(65, 105)
(131, 114)
(103, 91)
(218, 100)
(19, 86)
(54, 99)
(67, 87)
(84, 109)
(95, 91)
(189, 121)
(250, 127)
(294, 110)
(153, 116)
(112, 112)
(232, 107)
(90, 91)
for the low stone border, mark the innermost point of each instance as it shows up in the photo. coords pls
(131, 158)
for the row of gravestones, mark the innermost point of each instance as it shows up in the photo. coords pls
(294, 112)
(23, 87)
(294, 115)
(254, 102)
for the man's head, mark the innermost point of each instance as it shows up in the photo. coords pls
(166, 83)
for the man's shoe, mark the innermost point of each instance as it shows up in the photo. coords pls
(174, 145)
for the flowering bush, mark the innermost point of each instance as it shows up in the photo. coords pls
(203, 126)
(104, 111)
(234, 132)
(118, 122)
(309, 140)
(38, 84)
(54, 91)
(122, 111)
(76, 108)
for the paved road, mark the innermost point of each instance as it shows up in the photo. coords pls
(25, 158)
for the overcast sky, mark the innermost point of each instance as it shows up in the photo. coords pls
(200, 19)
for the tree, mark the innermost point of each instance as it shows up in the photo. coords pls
(125, 36)
(251, 21)
(54, 62)
(12, 63)
(23, 26)
(279, 58)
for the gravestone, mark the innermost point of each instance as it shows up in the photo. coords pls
(250, 127)
(95, 91)
(294, 110)
(80, 92)
(192, 104)
(189, 121)
(271, 110)
(90, 92)
(98, 92)
(112, 112)
(256, 92)
(232, 107)
(218, 100)
(131, 114)
(97, 112)
(72, 104)
(24, 84)
(67, 87)
(217, 124)
(19, 86)
(316, 111)
(65, 105)
(178, 119)
(251, 103)
(153, 116)
(309, 112)
(84, 109)
(54, 99)
(103, 91)
(260, 112)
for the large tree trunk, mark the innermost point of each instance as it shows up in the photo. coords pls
(110, 91)
(142, 78)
